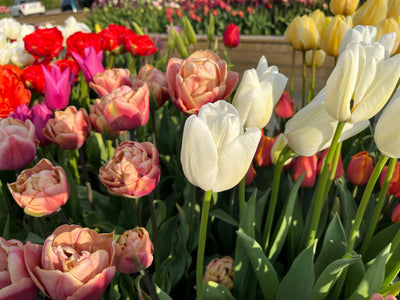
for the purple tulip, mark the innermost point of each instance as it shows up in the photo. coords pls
(22, 113)
(57, 87)
(40, 114)
(91, 65)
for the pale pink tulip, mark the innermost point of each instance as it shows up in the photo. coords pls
(69, 129)
(133, 170)
(134, 242)
(99, 122)
(109, 80)
(201, 78)
(41, 190)
(18, 143)
(15, 282)
(157, 82)
(74, 263)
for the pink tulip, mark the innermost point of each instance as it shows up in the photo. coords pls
(41, 190)
(126, 108)
(57, 86)
(18, 143)
(157, 82)
(201, 78)
(99, 122)
(69, 129)
(109, 80)
(135, 241)
(220, 270)
(91, 64)
(133, 170)
(22, 112)
(74, 263)
(15, 282)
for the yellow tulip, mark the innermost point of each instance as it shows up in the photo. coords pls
(290, 33)
(319, 58)
(371, 12)
(334, 34)
(318, 17)
(302, 33)
(393, 9)
(386, 26)
(343, 7)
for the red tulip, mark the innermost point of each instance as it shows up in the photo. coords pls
(308, 165)
(394, 186)
(231, 36)
(339, 169)
(262, 158)
(285, 107)
(360, 168)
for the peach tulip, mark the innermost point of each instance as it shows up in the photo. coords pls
(157, 82)
(18, 143)
(220, 270)
(134, 242)
(105, 82)
(69, 129)
(99, 122)
(133, 170)
(201, 78)
(74, 263)
(15, 282)
(41, 190)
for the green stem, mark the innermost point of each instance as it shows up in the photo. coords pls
(153, 217)
(242, 200)
(132, 67)
(303, 101)
(354, 233)
(292, 72)
(202, 245)
(111, 61)
(335, 162)
(85, 175)
(312, 78)
(110, 149)
(138, 212)
(379, 205)
(147, 281)
(321, 185)
(283, 156)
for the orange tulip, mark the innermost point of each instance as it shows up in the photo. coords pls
(360, 168)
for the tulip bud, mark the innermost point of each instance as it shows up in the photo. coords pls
(285, 107)
(370, 13)
(231, 36)
(189, 31)
(211, 28)
(343, 7)
(318, 17)
(308, 165)
(394, 185)
(333, 35)
(360, 168)
(280, 143)
(319, 58)
(220, 270)
(303, 33)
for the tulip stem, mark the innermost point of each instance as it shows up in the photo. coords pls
(321, 185)
(202, 245)
(312, 78)
(138, 212)
(242, 200)
(283, 156)
(354, 232)
(153, 217)
(111, 61)
(379, 205)
(85, 175)
(292, 72)
(303, 101)
(147, 281)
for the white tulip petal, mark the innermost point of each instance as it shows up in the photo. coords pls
(224, 129)
(280, 143)
(387, 41)
(262, 66)
(199, 156)
(235, 159)
(260, 105)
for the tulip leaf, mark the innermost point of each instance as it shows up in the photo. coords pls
(299, 280)
(260, 208)
(6, 228)
(374, 276)
(213, 290)
(333, 246)
(284, 221)
(161, 294)
(262, 267)
(355, 273)
(329, 277)
(349, 207)
(224, 216)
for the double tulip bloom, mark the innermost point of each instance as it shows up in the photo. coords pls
(104, 83)
(220, 270)
(211, 144)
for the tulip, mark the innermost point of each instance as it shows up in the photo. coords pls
(22, 113)
(126, 108)
(386, 132)
(211, 143)
(250, 175)
(285, 107)
(91, 64)
(302, 33)
(134, 242)
(99, 122)
(318, 17)
(157, 82)
(393, 9)
(201, 78)
(370, 13)
(361, 83)
(231, 36)
(319, 58)
(133, 170)
(258, 93)
(73, 263)
(276, 149)
(220, 270)
(18, 143)
(262, 158)
(308, 165)
(69, 129)
(343, 7)
(339, 167)
(106, 82)
(396, 215)
(386, 26)
(394, 185)
(40, 114)
(311, 129)
(41, 190)
(360, 168)
(333, 35)
(15, 282)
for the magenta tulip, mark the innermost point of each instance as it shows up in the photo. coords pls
(57, 86)
(91, 64)
(40, 114)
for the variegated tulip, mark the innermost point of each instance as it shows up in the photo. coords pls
(258, 93)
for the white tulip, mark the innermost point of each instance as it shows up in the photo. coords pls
(216, 151)
(258, 93)
(361, 82)
(387, 129)
(5, 56)
(311, 129)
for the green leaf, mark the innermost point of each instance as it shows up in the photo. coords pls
(6, 229)
(299, 280)
(355, 273)
(161, 294)
(349, 207)
(380, 240)
(284, 221)
(215, 291)
(373, 278)
(224, 216)
(329, 276)
(333, 246)
(262, 267)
